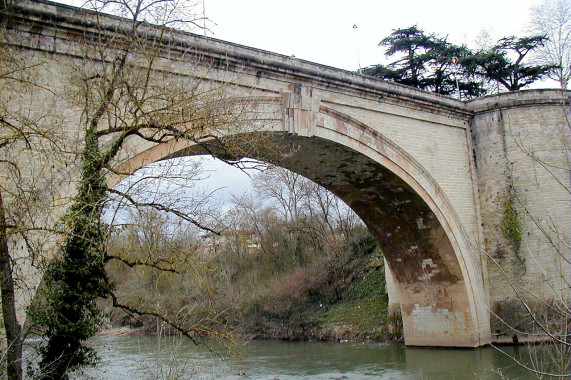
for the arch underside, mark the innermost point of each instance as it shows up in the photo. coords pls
(440, 299)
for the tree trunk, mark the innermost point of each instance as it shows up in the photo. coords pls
(11, 325)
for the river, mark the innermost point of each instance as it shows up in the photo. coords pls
(148, 357)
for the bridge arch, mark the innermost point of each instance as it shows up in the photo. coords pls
(473, 149)
(440, 288)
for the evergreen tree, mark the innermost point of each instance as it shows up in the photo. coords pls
(414, 46)
(496, 65)
(427, 62)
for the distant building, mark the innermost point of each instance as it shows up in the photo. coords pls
(236, 241)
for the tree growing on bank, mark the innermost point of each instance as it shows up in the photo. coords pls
(272, 271)
(118, 97)
(12, 359)
(24, 192)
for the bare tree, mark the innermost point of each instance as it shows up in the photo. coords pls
(11, 325)
(552, 19)
(286, 188)
(116, 98)
(24, 191)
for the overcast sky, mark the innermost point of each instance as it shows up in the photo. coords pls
(345, 34)
(342, 33)
(323, 31)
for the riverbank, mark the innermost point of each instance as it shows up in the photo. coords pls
(335, 295)
(358, 314)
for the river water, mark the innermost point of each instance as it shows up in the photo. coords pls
(148, 357)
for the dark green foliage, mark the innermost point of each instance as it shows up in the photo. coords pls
(426, 62)
(433, 64)
(70, 315)
(415, 47)
(5, 4)
(449, 74)
(76, 279)
(496, 64)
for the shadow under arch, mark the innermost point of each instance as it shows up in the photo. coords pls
(441, 291)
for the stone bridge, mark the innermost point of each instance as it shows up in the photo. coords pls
(430, 176)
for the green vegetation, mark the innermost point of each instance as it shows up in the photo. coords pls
(431, 63)
(426, 62)
(511, 226)
(69, 314)
(361, 313)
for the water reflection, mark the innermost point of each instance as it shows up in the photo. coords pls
(139, 357)
(461, 364)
